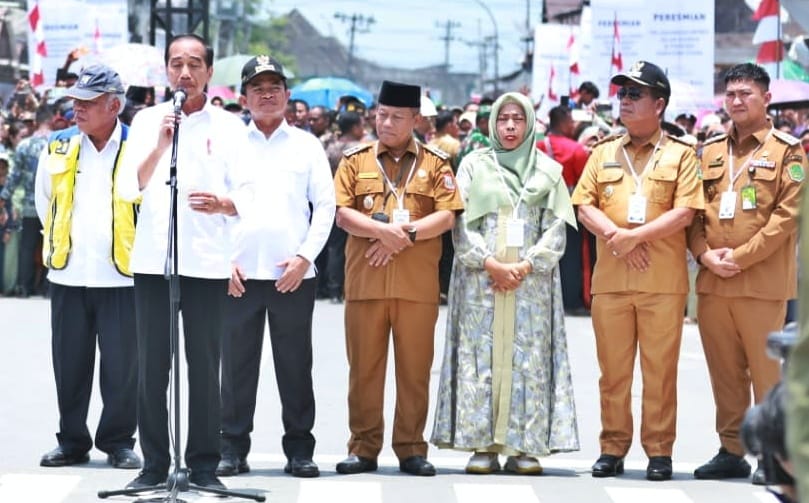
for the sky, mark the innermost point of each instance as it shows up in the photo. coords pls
(408, 34)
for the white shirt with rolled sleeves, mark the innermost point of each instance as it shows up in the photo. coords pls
(211, 157)
(90, 262)
(291, 170)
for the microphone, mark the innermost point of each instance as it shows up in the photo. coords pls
(179, 98)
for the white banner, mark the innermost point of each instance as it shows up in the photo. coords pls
(88, 25)
(551, 72)
(676, 36)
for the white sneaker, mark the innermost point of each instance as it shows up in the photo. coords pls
(523, 465)
(483, 463)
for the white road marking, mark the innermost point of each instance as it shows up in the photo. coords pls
(645, 495)
(318, 491)
(43, 488)
(486, 493)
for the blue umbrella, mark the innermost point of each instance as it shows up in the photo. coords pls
(326, 91)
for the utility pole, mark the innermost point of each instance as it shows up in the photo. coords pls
(358, 23)
(448, 26)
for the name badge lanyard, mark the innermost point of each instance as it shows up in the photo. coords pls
(637, 201)
(391, 186)
(515, 229)
(727, 204)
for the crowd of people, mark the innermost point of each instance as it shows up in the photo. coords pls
(392, 209)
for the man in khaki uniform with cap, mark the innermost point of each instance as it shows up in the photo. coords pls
(745, 243)
(638, 193)
(395, 197)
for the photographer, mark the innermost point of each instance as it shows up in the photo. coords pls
(763, 429)
(797, 375)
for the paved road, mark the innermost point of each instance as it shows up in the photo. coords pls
(28, 421)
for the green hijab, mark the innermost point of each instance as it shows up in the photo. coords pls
(523, 166)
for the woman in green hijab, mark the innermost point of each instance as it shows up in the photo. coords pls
(505, 384)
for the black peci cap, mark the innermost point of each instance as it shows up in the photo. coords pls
(394, 94)
(646, 74)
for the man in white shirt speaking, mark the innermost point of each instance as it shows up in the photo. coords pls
(273, 274)
(213, 185)
(88, 236)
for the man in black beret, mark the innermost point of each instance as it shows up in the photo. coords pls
(395, 197)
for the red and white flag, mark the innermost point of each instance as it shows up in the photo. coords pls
(552, 96)
(97, 39)
(35, 71)
(616, 62)
(768, 32)
(573, 66)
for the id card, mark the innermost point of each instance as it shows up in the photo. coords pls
(727, 205)
(637, 209)
(515, 232)
(401, 216)
(748, 197)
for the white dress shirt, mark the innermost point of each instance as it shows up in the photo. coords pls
(290, 170)
(90, 261)
(211, 158)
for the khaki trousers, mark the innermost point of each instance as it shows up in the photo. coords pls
(734, 334)
(368, 325)
(624, 322)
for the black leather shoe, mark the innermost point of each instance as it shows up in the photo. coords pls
(231, 465)
(147, 479)
(417, 465)
(759, 477)
(356, 464)
(300, 467)
(205, 479)
(124, 458)
(724, 465)
(659, 468)
(60, 457)
(608, 465)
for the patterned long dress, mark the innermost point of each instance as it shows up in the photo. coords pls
(512, 393)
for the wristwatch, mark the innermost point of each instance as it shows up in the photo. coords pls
(412, 233)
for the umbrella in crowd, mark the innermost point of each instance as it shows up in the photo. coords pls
(227, 71)
(326, 91)
(789, 93)
(137, 64)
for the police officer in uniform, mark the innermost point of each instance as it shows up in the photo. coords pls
(638, 193)
(745, 243)
(395, 197)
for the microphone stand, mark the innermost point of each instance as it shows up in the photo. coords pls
(177, 480)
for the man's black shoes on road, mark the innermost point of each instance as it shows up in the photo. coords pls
(608, 465)
(60, 457)
(231, 465)
(300, 467)
(417, 465)
(725, 465)
(356, 464)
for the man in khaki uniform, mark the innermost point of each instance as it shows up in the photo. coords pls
(745, 243)
(395, 197)
(638, 193)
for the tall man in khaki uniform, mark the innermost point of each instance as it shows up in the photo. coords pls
(395, 197)
(745, 243)
(638, 193)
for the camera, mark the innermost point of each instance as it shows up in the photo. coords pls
(763, 427)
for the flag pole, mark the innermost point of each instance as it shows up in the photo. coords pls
(779, 45)
(612, 52)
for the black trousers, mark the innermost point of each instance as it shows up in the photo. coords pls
(290, 319)
(202, 303)
(336, 262)
(30, 241)
(79, 317)
(571, 271)
(445, 262)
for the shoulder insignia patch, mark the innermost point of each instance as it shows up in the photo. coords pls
(358, 148)
(714, 139)
(679, 140)
(607, 139)
(795, 158)
(785, 137)
(436, 151)
(796, 172)
(449, 181)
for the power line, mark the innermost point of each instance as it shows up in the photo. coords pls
(448, 26)
(358, 23)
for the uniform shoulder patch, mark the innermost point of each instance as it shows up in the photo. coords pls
(357, 148)
(714, 139)
(436, 151)
(796, 172)
(785, 137)
(680, 140)
(607, 139)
